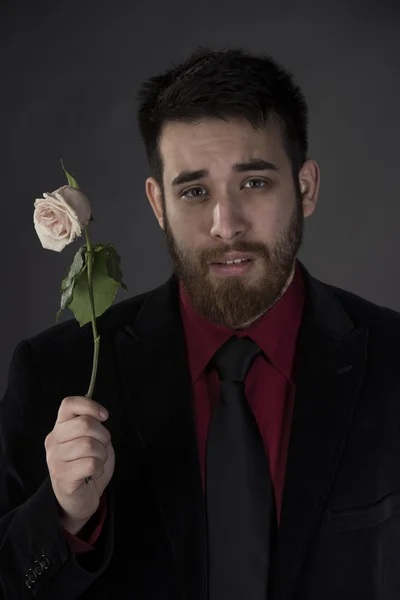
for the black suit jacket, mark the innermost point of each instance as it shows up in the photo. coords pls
(339, 535)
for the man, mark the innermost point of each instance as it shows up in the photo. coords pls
(252, 448)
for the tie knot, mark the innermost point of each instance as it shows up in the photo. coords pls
(234, 359)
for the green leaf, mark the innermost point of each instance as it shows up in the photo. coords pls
(113, 262)
(104, 287)
(113, 265)
(71, 181)
(67, 286)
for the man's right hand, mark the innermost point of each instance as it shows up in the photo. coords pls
(79, 446)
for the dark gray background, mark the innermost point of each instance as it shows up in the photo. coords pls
(69, 74)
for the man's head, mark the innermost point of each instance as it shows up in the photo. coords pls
(226, 138)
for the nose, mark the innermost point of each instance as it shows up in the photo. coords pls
(228, 221)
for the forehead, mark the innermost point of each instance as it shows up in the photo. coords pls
(214, 143)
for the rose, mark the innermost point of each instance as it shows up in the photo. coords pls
(95, 275)
(60, 217)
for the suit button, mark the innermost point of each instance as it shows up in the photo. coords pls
(32, 575)
(44, 561)
(38, 567)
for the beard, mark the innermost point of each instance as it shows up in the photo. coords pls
(232, 301)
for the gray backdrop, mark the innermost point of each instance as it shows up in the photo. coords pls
(69, 73)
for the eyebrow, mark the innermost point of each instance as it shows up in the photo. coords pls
(257, 164)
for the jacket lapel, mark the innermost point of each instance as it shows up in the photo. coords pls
(152, 360)
(329, 372)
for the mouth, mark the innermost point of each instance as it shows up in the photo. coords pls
(233, 257)
(239, 267)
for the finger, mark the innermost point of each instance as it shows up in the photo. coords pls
(81, 468)
(85, 447)
(73, 406)
(79, 427)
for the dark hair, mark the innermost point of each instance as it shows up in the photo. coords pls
(224, 84)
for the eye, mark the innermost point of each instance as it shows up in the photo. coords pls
(259, 183)
(193, 192)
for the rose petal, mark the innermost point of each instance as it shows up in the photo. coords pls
(77, 201)
(59, 217)
(47, 241)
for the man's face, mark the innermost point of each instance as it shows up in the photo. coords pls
(251, 209)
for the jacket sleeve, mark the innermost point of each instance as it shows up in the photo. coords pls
(35, 558)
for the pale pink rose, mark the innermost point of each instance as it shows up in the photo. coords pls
(60, 217)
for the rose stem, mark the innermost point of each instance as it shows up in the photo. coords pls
(96, 337)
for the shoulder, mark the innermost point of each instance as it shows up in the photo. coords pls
(383, 322)
(69, 334)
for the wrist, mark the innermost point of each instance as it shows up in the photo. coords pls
(71, 525)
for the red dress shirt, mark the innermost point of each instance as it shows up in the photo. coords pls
(269, 386)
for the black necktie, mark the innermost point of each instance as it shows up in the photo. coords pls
(241, 514)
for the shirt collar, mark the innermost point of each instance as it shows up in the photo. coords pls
(275, 333)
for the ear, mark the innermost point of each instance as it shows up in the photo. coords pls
(309, 179)
(153, 192)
